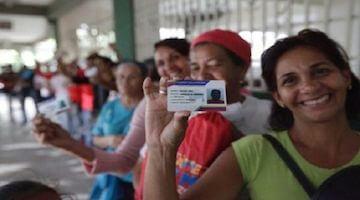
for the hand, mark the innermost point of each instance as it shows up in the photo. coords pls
(47, 132)
(116, 140)
(163, 128)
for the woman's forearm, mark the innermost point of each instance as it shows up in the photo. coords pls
(101, 142)
(160, 174)
(108, 141)
(80, 150)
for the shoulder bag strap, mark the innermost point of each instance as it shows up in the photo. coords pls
(291, 164)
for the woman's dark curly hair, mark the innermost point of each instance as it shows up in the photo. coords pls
(282, 118)
(180, 45)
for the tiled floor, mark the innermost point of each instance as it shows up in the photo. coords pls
(22, 158)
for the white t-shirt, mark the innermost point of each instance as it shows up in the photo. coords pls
(59, 84)
(251, 116)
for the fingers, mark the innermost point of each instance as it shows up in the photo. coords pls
(148, 88)
(187, 78)
(41, 122)
(177, 78)
(180, 120)
(163, 85)
(44, 130)
(37, 119)
(41, 137)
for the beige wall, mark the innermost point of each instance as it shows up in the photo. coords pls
(100, 13)
(146, 22)
(96, 13)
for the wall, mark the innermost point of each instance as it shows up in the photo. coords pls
(146, 27)
(95, 13)
(278, 18)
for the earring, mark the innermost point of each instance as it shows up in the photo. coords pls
(350, 87)
(281, 105)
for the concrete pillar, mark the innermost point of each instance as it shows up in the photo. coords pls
(55, 30)
(124, 27)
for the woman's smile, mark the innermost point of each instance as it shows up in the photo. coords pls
(317, 101)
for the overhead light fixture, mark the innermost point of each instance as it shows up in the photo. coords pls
(6, 25)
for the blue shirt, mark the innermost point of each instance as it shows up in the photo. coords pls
(114, 119)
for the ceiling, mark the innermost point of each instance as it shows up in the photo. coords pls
(24, 22)
(28, 2)
(23, 29)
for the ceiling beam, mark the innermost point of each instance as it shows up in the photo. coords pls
(23, 9)
(61, 7)
(52, 11)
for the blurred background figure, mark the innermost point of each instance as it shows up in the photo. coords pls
(25, 88)
(42, 79)
(8, 80)
(99, 71)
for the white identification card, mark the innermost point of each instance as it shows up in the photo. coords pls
(190, 95)
(53, 107)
